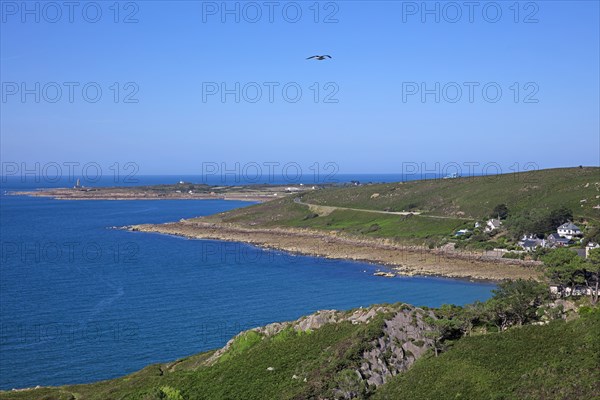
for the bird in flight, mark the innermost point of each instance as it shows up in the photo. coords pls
(320, 58)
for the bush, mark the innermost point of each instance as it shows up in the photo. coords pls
(372, 228)
(172, 394)
(310, 216)
(500, 211)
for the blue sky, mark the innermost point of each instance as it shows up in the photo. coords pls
(381, 50)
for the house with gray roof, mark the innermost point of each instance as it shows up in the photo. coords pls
(531, 242)
(568, 230)
(492, 225)
(555, 240)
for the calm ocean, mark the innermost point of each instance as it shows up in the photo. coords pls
(80, 302)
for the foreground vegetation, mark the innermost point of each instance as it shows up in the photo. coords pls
(520, 344)
(560, 360)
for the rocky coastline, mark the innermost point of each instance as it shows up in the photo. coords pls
(402, 259)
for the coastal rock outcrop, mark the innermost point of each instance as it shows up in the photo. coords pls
(403, 339)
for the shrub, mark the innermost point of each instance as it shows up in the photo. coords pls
(172, 394)
(310, 216)
(372, 228)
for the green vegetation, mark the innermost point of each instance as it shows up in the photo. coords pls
(555, 361)
(381, 225)
(241, 344)
(254, 367)
(172, 394)
(476, 197)
(531, 202)
(500, 211)
(565, 267)
(538, 221)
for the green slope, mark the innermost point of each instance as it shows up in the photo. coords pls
(315, 357)
(459, 201)
(558, 361)
(475, 197)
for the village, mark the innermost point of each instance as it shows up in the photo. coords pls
(566, 235)
(568, 238)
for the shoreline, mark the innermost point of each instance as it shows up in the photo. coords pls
(401, 259)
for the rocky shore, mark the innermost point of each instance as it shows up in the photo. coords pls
(404, 260)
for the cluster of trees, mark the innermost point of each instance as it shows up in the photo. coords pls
(514, 303)
(537, 221)
(592, 236)
(500, 211)
(563, 266)
(518, 223)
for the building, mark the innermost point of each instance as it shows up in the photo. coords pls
(531, 242)
(591, 246)
(555, 240)
(568, 230)
(492, 225)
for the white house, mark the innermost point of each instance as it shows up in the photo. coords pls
(568, 230)
(531, 242)
(590, 246)
(492, 224)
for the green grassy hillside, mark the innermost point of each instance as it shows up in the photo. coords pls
(445, 204)
(560, 360)
(475, 197)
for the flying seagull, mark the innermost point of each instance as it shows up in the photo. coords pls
(320, 58)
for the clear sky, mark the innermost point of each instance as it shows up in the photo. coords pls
(369, 115)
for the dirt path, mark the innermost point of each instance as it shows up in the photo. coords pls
(326, 210)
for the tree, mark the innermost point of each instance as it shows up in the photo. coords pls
(472, 315)
(565, 267)
(559, 216)
(500, 211)
(442, 329)
(516, 302)
(537, 221)
(593, 236)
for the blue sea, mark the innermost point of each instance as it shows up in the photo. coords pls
(81, 302)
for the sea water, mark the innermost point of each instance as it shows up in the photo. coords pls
(81, 302)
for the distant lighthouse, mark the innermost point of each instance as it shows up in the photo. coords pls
(77, 184)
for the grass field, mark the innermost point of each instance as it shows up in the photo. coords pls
(475, 197)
